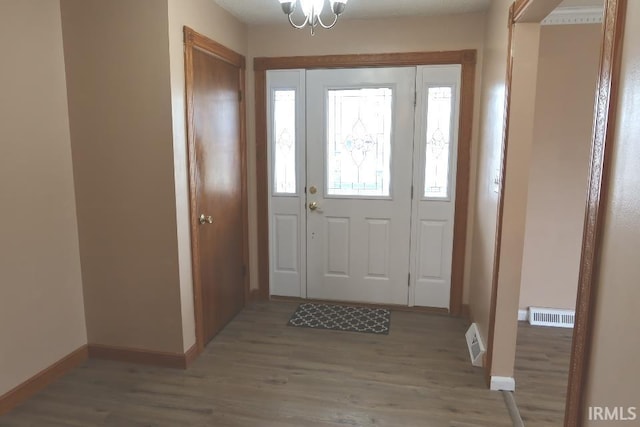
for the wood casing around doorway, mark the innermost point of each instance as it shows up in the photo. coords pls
(606, 101)
(467, 60)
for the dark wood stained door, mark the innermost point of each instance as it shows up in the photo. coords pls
(216, 127)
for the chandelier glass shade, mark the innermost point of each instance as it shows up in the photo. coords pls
(312, 9)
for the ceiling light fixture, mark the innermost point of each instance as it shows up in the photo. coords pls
(312, 10)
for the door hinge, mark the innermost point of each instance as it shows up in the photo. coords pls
(412, 192)
(415, 98)
(240, 96)
(409, 280)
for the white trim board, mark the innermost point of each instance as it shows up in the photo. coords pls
(512, 406)
(523, 315)
(574, 16)
(503, 383)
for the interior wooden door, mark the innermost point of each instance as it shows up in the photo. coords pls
(216, 128)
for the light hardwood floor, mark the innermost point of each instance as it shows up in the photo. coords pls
(259, 372)
(542, 374)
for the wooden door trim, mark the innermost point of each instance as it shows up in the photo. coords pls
(262, 182)
(366, 60)
(194, 40)
(599, 180)
(466, 58)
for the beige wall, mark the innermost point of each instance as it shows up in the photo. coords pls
(488, 163)
(117, 63)
(41, 309)
(526, 40)
(209, 19)
(569, 58)
(371, 36)
(613, 377)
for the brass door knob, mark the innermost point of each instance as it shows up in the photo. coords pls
(206, 219)
(313, 206)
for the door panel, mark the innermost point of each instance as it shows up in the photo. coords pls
(378, 246)
(216, 129)
(436, 147)
(337, 246)
(286, 243)
(359, 157)
(430, 249)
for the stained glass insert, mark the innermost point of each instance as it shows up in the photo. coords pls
(359, 142)
(439, 110)
(284, 141)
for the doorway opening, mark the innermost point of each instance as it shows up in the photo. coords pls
(563, 79)
(341, 221)
(531, 12)
(375, 174)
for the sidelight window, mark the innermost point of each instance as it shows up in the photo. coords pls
(284, 138)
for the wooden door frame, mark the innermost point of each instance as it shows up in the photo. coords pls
(602, 145)
(195, 41)
(467, 60)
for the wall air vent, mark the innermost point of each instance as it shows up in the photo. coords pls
(552, 317)
(475, 345)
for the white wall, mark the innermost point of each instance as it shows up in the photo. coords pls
(526, 40)
(489, 159)
(566, 86)
(41, 309)
(117, 68)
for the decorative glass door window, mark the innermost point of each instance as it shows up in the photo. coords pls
(284, 138)
(439, 116)
(358, 150)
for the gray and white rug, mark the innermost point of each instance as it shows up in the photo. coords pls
(342, 318)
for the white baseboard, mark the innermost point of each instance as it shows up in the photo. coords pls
(503, 384)
(523, 315)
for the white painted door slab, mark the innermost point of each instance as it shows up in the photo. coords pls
(360, 127)
(287, 216)
(436, 148)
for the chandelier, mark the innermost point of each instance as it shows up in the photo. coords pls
(312, 10)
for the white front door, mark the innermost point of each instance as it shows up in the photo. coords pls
(362, 167)
(359, 156)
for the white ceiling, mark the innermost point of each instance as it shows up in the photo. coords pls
(582, 3)
(269, 12)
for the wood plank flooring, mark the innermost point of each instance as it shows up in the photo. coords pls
(258, 372)
(542, 374)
